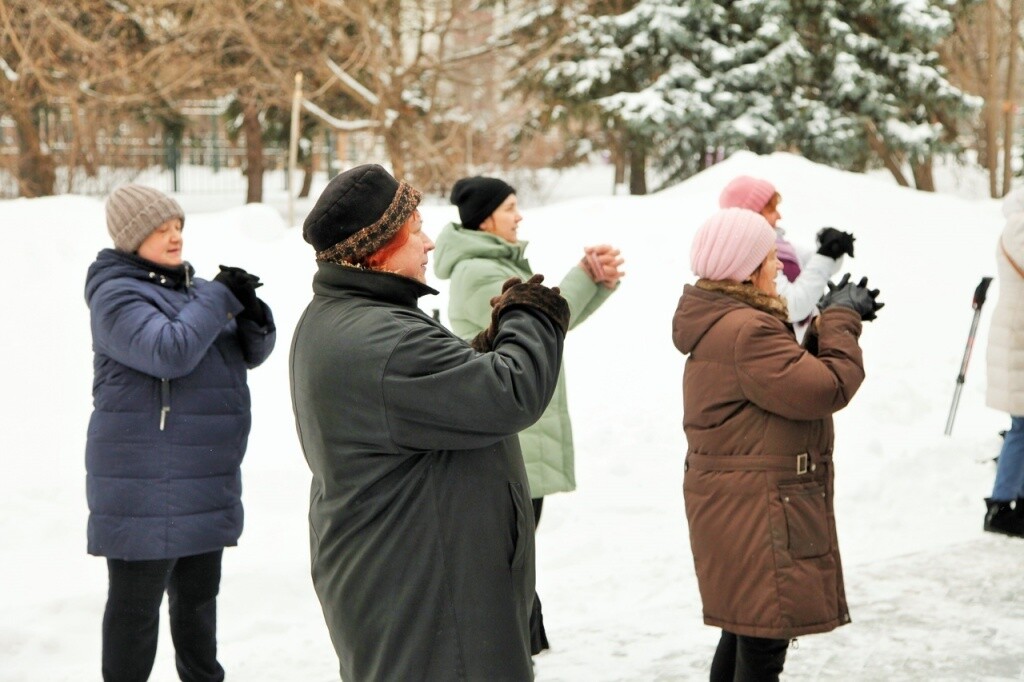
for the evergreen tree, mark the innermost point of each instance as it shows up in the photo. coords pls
(557, 43)
(844, 82)
(685, 78)
(877, 86)
(727, 83)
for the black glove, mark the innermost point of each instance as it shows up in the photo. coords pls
(243, 286)
(515, 293)
(856, 297)
(834, 243)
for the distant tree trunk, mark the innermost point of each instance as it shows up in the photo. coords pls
(991, 99)
(882, 151)
(619, 142)
(89, 139)
(396, 151)
(923, 178)
(71, 158)
(37, 174)
(253, 151)
(307, 176)
(1010, 101)
(637, 166)
(83, 143)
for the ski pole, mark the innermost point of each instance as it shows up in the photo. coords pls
(979, 300)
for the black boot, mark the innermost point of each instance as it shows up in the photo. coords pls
(1001, 517)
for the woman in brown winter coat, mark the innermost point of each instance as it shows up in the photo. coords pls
(757, 412)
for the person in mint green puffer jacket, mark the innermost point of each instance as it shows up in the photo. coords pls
(478, 256)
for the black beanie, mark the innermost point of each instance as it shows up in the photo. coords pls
(478, 197)
(358, 212)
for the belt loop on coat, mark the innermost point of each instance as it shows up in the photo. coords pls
(801, 463)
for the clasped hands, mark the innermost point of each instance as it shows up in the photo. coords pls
(601, 263)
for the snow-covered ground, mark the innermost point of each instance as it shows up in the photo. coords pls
(931, 596)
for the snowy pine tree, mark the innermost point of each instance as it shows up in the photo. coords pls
(608, 65)
(685, 78)
(728, 85)
(570, 62)
(538, 35)
(877, 87)
(844, 82)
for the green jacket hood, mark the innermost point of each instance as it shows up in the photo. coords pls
(456, 243)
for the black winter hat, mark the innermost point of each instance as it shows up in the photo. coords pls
(478, 197)
(358, 212)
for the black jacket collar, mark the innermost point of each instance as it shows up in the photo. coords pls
(335, 280)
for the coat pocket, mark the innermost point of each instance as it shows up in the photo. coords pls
(519, 539)
(806, 519)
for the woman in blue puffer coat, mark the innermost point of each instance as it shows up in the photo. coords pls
(170, 422)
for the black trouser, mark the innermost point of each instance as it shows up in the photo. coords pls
(538, 636)
(131, 621)
(538, 505)
(748, 659)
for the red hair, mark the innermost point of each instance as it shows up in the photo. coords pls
(376, 260)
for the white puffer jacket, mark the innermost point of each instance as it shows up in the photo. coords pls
(1005, 355)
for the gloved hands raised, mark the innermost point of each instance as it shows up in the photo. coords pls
(515, 293)
(243, 286)
(833, 243)
(856, 297)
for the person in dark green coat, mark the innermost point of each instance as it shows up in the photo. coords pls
(421, 532)
(477, 256)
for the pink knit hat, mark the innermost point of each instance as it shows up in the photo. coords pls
(731, 244)
(747, 192)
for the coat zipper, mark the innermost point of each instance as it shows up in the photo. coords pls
(165, 384)
(165, 401)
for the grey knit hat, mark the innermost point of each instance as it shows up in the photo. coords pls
(134, 211)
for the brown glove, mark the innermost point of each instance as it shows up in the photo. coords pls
(515, 293)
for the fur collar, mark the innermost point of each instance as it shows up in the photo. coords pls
(745, 292)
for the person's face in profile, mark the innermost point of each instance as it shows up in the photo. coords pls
(763, 278)
(410, 260)
(771, 211)
(504, 222)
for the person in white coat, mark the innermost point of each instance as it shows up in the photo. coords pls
(804, 273)
(1005, 360)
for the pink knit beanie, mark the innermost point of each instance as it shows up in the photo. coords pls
(747, 192)
(731, 244)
